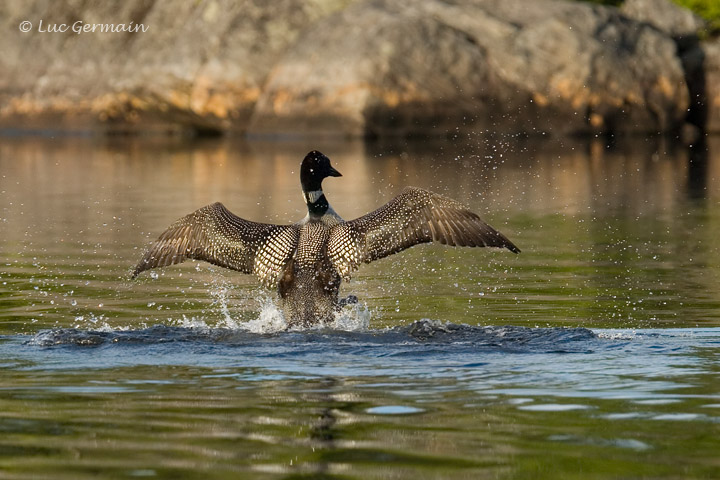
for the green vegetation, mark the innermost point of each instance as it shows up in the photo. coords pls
(708, 9)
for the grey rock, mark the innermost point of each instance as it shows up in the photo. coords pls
(200, 64)
(711, 84)
(337, 67)
(377, 68)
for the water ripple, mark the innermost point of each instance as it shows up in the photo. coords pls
(426, 332)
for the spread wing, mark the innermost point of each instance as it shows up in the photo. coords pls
(413, 217)
(215, 235)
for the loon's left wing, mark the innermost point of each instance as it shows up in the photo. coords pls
(413, 217)
(216, 235)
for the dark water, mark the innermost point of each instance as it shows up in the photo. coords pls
(593, 354)
(428, 399)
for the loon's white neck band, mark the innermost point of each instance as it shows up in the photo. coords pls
(312, 197)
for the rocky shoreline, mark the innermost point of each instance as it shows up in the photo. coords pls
(360, 68)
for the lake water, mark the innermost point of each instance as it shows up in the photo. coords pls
(593, 354)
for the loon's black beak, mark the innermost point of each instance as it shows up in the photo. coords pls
(334, 173)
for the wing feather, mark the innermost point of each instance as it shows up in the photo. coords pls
(216, 235)
(413, 217)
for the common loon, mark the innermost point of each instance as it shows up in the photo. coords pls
(306, 261)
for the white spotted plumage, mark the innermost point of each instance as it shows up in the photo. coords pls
(306, 261)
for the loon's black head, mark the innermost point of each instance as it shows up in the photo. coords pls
(315, 167)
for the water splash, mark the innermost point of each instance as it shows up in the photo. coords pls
(193, 323)
(353, 318)
(221, 290)
(100, 323)
(270, 319)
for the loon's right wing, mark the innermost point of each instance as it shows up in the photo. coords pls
(415, 216)
(217, 236)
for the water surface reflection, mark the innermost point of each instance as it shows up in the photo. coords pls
(178, 375)
(620, 235)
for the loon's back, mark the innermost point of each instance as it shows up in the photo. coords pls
(306, 261)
